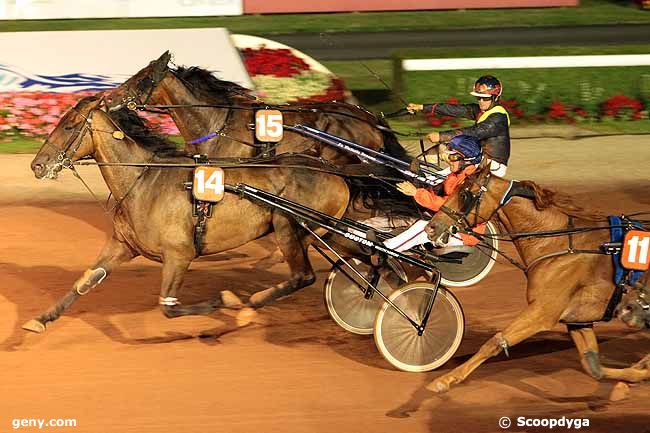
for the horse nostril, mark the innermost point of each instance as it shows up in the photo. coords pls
(38, 169)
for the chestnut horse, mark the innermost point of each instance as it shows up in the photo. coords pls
(230, 112)
(154, 216)
(569, 280)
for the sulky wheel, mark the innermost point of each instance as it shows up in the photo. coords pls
(346, 302)
(398, 340)
(475, 266)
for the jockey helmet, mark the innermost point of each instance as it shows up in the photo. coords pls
(468, 147)
(487, 86)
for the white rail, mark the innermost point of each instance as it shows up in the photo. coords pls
(526, 62)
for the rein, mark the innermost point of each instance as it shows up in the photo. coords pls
(473, 201)
(161, 108)
(65, 160)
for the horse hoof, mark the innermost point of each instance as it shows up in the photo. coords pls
(619, 392)
(438, 387)
(34, 326)
(230, 300)
(260, 299)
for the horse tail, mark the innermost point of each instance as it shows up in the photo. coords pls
(391, 145)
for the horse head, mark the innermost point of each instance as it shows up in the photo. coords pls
(634, 308)
(69, 141)
(475, 201)
(138, 89)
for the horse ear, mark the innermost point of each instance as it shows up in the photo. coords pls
(165, 57)
(161, 62)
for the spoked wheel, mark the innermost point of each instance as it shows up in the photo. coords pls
(346, 302)
(398, 340)
(475, 266)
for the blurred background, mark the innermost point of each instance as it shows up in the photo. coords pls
(374, 53)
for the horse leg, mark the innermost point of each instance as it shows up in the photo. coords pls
(112, 255)
(174, 269)
(587, 345)
(294, 248)
(537, 317)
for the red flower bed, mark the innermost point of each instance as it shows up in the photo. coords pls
(282, 76)
(512, 107)
(279, 62)
(622, 106)
(335, 92)
(37, 113)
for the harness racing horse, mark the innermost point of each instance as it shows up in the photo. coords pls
(569, 280)
(228, 113)
(208, 107)
(154, 218)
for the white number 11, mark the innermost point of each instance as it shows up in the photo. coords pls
(638, 252)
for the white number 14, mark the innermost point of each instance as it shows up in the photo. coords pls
(214, 182)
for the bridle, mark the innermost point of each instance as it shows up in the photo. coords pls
(471, 203)
(144, 87)
(64, 156)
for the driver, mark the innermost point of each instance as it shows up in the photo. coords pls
(464, 157)
(491, 122)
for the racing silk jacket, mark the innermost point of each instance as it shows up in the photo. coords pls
(430, 200)
(491, 127)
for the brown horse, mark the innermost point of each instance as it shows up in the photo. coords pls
(232, 113)
(154, 217)
(568, 280)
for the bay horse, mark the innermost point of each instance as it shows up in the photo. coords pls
(232, 113)
(154, 213)
(568, 280)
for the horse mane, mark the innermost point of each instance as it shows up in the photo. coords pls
(203, 81)
(392, 146)
(546, 198)
(137, 129)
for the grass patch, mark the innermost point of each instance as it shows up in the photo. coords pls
(590, 12)
(20, 144)
(564, 84)
(516, 51)
(570, 85)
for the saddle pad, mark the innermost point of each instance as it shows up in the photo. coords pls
(617, 234)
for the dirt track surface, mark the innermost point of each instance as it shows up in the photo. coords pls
(115, 364)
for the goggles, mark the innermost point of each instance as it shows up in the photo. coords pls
(455, 156)
(484, 98)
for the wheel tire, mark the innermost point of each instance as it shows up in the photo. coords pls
(475, 266)
(346, 303)
(398, 341)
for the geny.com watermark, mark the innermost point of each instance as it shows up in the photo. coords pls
(17, 423)
(550, 423)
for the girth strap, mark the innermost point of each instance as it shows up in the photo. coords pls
(569, 250)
